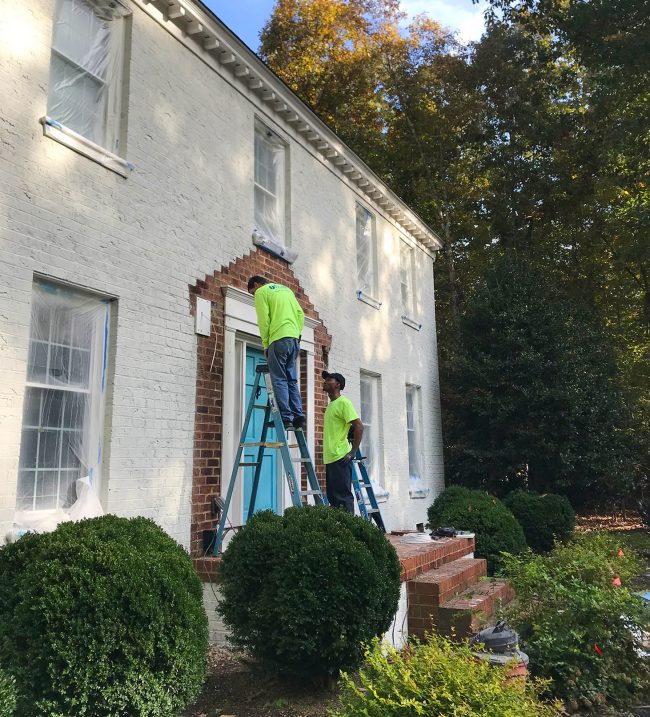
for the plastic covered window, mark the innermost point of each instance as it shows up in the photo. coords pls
(366, 252)
(86, 69)
(412, 429)
(370, 419)
(270, 179)
(64, 397)
(406, 279)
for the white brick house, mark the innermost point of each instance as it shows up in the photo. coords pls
(141, 144)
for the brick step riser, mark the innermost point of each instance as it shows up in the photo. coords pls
(445, 587)
(417, 559)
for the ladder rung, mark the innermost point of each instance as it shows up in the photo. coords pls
(372, 510)
(266, 444)
(243, 465)
(259, 406)
(311, 492)
(304, 460)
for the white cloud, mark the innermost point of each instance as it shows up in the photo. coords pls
(460, 15)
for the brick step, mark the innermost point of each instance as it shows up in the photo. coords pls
(435, 587)
(469, 611)
(417, 558)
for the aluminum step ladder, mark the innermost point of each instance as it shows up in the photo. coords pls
(364, 492)
(272, 419)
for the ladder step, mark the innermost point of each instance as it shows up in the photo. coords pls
(245, 465)
(266, 444)
(259, 406)
(311, 492)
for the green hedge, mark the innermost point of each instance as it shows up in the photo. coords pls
(304, 590)
(434, 678)
(101, 618)
(496, 528)
(544, 518)
(7, 695)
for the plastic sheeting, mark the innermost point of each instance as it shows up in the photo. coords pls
(365, 254)
(64, 396)
(85, 70)
(270, 178)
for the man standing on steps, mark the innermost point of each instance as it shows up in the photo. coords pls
(280, 320)
(340, 419)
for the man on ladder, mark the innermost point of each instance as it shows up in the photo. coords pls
(280, 319)
(338, 454)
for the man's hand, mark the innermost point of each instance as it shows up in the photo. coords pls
(347, 458)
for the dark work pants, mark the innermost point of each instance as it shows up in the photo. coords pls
(338, 483)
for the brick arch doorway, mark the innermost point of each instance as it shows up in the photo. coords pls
(221, 383)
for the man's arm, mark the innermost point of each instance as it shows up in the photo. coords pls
(263, 317)
(357, 435)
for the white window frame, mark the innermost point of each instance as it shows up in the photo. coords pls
(366, 242)
(276, 232)
(417, 486)
(407, 279)
(108, 149)
(95, 393)
(372, 441)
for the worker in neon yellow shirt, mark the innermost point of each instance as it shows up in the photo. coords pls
(340, 419)
(280, 320)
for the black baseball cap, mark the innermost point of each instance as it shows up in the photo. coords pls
(336, 377)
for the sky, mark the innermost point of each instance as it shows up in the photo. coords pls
(246, 17)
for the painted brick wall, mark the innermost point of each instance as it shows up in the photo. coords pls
(185, 212)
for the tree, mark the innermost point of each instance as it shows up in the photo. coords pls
(537, 404)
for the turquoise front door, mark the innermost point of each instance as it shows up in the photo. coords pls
(267, 491)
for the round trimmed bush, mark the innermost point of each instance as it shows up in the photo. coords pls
(7, 695)
(496, 528)
(304, 590)
(101, 618)
(544, 518)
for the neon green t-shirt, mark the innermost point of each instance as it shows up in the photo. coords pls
(279, 314)
(338, 416)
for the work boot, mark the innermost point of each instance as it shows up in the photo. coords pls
(299, 422)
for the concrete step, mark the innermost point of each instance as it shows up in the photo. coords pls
(470, 610)
(435, 587)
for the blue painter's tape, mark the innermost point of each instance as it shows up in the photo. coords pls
(54, 123)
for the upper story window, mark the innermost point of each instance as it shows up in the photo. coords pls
(366, 253)
(407, 279)
(270, 184)
(87, 70)
(64, 396)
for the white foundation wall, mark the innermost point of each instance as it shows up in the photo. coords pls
(185, 210)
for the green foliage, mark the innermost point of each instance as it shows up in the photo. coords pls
(437, 677)
(567, 606)
(304, 590)
(495, 526)
(101, 618)
(644, 511)
(537, 400)
(7, 695)
(544, 518)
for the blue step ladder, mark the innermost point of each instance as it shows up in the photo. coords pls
(272, 419)
(365, 493)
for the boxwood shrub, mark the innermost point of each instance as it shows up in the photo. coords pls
(304, 590)
(101, 618)
(437, 677)
(496, 528)
(544, 518)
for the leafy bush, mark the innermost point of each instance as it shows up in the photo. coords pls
(304, 590)
(581, 631)
(495, 526)
(544, 518)
(437, 677)
(101, 617)
(7, 695)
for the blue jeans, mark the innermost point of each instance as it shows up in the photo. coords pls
(282, 357)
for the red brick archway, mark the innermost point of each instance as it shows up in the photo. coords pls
(206, 474)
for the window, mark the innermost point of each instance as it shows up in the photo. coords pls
(407, 273)
(371, 419)
(64, 396)
(270, 181)
(366, 253)
(417, 487)
(86, 89)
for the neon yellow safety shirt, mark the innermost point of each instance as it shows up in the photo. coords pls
(339, 414)
(279, 315)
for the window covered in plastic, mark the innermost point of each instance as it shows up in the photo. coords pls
(413, 430)
(369, 414)
(270, 179)
(366, 252)
(87, 67)
(406, 279)
(64, 396)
